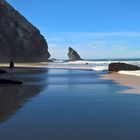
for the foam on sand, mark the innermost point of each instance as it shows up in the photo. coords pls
(134, 73)
(99, 68)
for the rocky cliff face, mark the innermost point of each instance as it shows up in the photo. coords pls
(19, 39)
(73, 55)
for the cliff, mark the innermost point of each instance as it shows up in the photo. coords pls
(19, 39)
(73, 55)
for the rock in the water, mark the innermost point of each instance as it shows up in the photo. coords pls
(9, 82)
(122, 66)
(2, 71)
(3, 81)
(73, 55)
(19, 39)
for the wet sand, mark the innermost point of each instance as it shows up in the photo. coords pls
(49, 65)
(130, 81)
(28, 65)
(67, 104)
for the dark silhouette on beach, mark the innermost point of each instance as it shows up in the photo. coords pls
(11, 65)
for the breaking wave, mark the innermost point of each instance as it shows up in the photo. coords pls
(134, 73)
(92, 65)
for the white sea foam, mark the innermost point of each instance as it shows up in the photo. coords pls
(100, 68)
(88, 65)
(103, 62)
(89, 62)
(134, 73)
(93, 65)
(81, 65)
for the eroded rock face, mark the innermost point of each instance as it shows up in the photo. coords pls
(73, 55)
(19, 39)
(122, 66)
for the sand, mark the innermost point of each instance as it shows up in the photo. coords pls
(49, 65)
(130, 81)
(28, 65)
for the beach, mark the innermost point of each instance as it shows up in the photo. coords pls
(130, 79)
(69, 70)
(125, 79)
(62, 103)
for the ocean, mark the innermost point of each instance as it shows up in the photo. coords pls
(94, 64)
(67, 104)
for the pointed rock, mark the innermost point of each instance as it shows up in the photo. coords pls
(73, 55)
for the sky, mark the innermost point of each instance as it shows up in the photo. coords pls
(94, 28)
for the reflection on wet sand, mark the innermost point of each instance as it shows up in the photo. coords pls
(12, 98)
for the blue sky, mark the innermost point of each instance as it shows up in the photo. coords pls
(95, 28)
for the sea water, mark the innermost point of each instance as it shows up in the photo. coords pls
(95, 65)
(64, 104)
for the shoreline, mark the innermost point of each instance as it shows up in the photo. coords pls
(47, 65)
(130, 81)
(23, 65)
(133, 73)
(124, 78)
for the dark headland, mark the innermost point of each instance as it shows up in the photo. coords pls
(19, 39)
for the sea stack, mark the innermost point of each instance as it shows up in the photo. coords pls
(122, 66)
(73, 55)
(19, 39)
